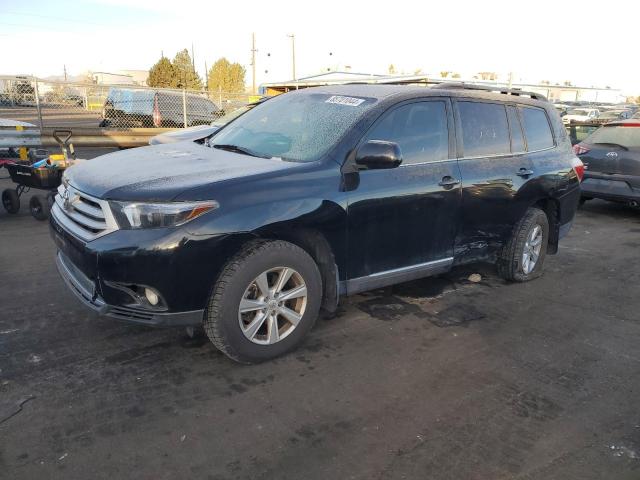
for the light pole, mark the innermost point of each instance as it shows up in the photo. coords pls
(253, 63)
(293, 54)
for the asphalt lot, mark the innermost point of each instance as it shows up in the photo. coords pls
(435, 379)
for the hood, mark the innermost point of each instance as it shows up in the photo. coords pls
(190, 134)
(579, 118)
(161, 172)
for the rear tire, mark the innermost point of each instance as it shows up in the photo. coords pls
(39, 207)
(275, 318)
(10, 200)
(528, 243)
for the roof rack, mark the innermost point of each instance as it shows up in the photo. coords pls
(488, 88)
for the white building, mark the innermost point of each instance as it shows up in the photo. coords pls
(555, 93)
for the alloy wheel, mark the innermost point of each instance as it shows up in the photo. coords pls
(272, 305)
(531, 251)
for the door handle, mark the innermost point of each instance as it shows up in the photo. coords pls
(524, 172)
(448, 181)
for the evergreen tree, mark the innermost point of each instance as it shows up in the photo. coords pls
(226, 76)
(185, 74)
(162, 74)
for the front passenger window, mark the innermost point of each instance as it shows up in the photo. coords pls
(420, 129)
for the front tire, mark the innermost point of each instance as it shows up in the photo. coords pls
(264, 302)
(522, 258)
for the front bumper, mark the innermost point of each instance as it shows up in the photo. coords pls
(85, 289)
(179, 266)
(611, 186)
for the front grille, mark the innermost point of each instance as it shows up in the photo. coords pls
(82, 215)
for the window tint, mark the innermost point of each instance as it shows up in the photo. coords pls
(484, 129)
(537, 129)
(420, 129)
(627, 136)
(517, 139)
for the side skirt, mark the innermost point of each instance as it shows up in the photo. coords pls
(397, 275)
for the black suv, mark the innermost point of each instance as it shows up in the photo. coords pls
(312, 195)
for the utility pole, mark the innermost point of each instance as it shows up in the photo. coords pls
(193, 58)
(206, 76)
(510, 79)
(65, 72)
(253, 63)
(293, 55)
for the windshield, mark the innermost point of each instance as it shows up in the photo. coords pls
(628, 137)
(298, 126)
(231, 115)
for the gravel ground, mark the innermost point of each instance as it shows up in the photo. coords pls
(440, 378)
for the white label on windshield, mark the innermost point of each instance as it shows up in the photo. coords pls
(349, 101)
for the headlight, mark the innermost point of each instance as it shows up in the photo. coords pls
(154, 215)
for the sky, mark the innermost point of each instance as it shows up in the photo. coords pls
(553, 40)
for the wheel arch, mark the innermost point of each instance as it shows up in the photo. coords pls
(551, 208)
(316, 244)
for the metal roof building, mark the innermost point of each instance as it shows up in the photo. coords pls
(555, 93)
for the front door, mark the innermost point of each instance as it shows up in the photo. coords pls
(402, 222)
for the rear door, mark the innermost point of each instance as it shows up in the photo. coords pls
(494, 166)
(403, 221)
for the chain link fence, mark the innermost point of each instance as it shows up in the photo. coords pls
(61, 104)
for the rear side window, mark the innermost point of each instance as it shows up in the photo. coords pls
(628, 136)
(517, 139)
(537, 129)
(420, 129)
(485, 130)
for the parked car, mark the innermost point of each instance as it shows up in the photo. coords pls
(581, 115)
(562, 109)
(612, 115)
(317, 193)
(127, 107)
(611, 157)
(580, 131)
(63, 98)
(201, 132)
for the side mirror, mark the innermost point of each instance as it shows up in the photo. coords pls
(378, 154)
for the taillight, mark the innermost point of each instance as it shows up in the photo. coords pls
(157, 118)
(578, 167)
(580, 149)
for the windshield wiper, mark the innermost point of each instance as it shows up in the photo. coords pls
(238, 149)
(612, 144)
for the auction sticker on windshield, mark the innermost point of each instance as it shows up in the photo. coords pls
(349, 101)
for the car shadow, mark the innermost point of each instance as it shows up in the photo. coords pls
(622, 211)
